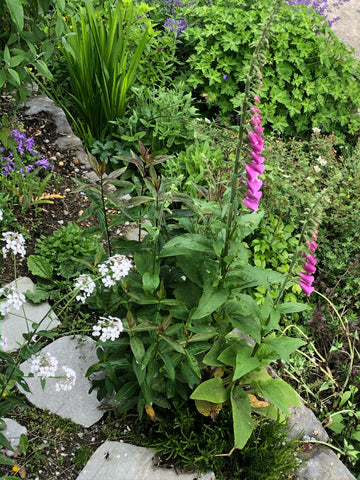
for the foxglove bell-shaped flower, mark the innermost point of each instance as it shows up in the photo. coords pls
(256, 167)
(309, 267)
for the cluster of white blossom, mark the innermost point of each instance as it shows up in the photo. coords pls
(68, 381)
(114, 268)
(86, 285)
(3, 342)
(15, 242)
(13, 298)
(1, 214)
(108, 328)
(43, 366)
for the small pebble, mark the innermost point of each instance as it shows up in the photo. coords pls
(58, 154)
(53, 159)
(61, 222)
(75, 160)
(76, 170)
(66, 212)
(61, 164)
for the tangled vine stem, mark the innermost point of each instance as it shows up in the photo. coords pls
(244, 112)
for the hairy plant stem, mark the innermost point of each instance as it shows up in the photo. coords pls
(230, 223)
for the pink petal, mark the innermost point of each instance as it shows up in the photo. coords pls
(257, 99)
(255, 121)
(257, 157)
(308, 279)
(252, 138)
(251, 172)
(258, 167)
(255, 109)
(251, 204)
(257, 148)
(258, 129)
(309, 268)
(310, 258)
(255, 185)
(306, 288)
(253, 195)
(312, 245)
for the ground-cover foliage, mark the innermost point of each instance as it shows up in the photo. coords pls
(222, 247)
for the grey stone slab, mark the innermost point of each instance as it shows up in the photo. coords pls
(303, 421)
(17, 322)
(42, 103)
(122, 461)
(77, 404)
(321, 463)
(12, 433)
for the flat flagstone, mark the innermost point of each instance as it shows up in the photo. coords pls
(78, 353)
(17, 322)
(122, 461)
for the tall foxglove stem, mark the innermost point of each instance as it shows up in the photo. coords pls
(230, 227)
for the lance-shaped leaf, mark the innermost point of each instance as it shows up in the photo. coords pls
(242, 421)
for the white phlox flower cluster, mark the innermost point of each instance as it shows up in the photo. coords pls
(43, 366)
(321, 160)
(114, 268)
(13, 298)
(86, 285)
(108, 328)
(15, 242)
(1, 214)
(3, 342)
(68, 381)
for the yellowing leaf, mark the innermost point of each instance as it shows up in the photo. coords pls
(219, 372)
(208, 409)
(151, 412)
(256, 403)
(48, 196)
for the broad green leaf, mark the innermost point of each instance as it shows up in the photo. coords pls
(241, 411)
(16, 13)
(150, 282)
(168, 365)
(292, 307)
(193, 363)
(244, 314)
(210, 301)
(14, 76)
(7, 461)
(228, 356)
(212, 390)
(126, 392)
(279, 393)
(4, 442)
(189, 241)
(149, 355)
(173, 343)
(43, 69)
(40, 266)
(244, 362)
(137, 348)
(211, 358)
(284, 346)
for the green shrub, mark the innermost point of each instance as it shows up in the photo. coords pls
(160, 117)
(310, 78)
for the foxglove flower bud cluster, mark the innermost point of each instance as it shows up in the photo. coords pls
(256, 167)
(108, 328)
(309, 266)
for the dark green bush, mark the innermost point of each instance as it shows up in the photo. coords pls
(310, 78)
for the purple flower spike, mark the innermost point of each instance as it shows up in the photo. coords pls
(257, 158)
(253, 195)
(311, 259)
(251, 172)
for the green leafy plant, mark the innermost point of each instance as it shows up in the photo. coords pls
(25, 46)
(97, 53)
(308, 81)
(161, 118)
(59, 258)
(172, 310)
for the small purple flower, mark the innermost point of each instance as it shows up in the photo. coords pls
(179, 25)
(225, 77)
